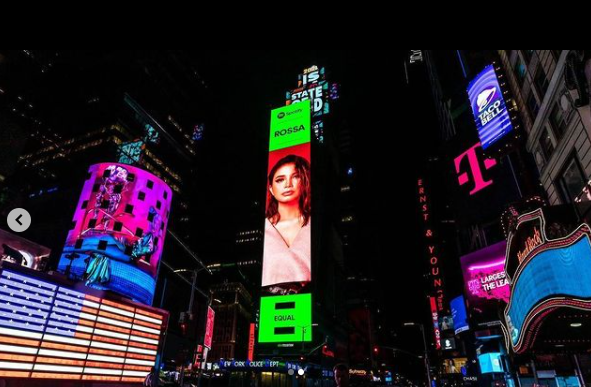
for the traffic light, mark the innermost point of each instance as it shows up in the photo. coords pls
(376, 350)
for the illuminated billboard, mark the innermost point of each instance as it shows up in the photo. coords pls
(490, 363)
(118, 231)
(545, 275)
(485, 281)
(287, 246)
(209, 327)
(20, 251)
(285, 319)
(459, 315)
(488, 107)
(50, 331)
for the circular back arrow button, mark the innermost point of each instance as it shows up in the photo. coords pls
(19, 220)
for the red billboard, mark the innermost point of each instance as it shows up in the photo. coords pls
(209, 327)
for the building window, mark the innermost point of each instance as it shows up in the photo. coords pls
(520, 70)
(532, 104)
(557, 120)
(84, 204)
(541, 81)
(546, 145)
(118, 226)
(92, 223)
(572, 179)
(129, 209)
(528, 54)
(141, 195)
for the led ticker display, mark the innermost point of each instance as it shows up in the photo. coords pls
(21, 251)
(118, 231)
(49, 331)
(287, 246)
(488, 107)
(285, 319)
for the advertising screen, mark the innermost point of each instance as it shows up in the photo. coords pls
(454, 366)
(488, 107)
(286, 319)
(50, 331)
(287, 246)
(459, 315)
(21, 251)
(118, 231)
(485, 281)
(490, 363)
(557, 274)
(209, 327)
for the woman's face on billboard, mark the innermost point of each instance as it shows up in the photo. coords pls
(286, 185)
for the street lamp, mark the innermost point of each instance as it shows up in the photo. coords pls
(427, 365)
(304, 332)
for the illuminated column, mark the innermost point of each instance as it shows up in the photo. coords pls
(118, 231)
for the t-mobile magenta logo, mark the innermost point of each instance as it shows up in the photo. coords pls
(475, 171)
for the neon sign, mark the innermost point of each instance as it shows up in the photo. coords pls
(435, 318)
(475, 172)
(562, 265)
(432, 248)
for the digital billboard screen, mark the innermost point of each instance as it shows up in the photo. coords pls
(490, 363)
(485, 280)
(556, 274)
(459, 315)
(51, 331)
(209, 327)
(285, 319)
(489, 107)
(287, 246)
(118, 231)
(20, 251)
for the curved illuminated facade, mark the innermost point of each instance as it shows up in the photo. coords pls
(118, 231)
(545, 275)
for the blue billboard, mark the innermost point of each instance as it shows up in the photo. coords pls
(489, 108)
(556, 274)
(459, 315)
(490, 363)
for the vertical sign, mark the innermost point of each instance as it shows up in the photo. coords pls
(209, 327)
(435, 317)
(488, 107)
(251, 335)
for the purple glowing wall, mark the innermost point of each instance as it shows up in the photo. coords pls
(118, 231)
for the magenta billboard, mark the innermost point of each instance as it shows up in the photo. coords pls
(485, 281)
(118, 231)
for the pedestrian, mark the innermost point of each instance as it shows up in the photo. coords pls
(152, 378)
(341, 375)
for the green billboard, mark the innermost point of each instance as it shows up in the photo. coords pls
(290, 126)
(285, 319)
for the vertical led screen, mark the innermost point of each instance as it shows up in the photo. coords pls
(287, 247)
(489, 108)
(118, 231)
(50, 331)
(21, 251)
(209, 327)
